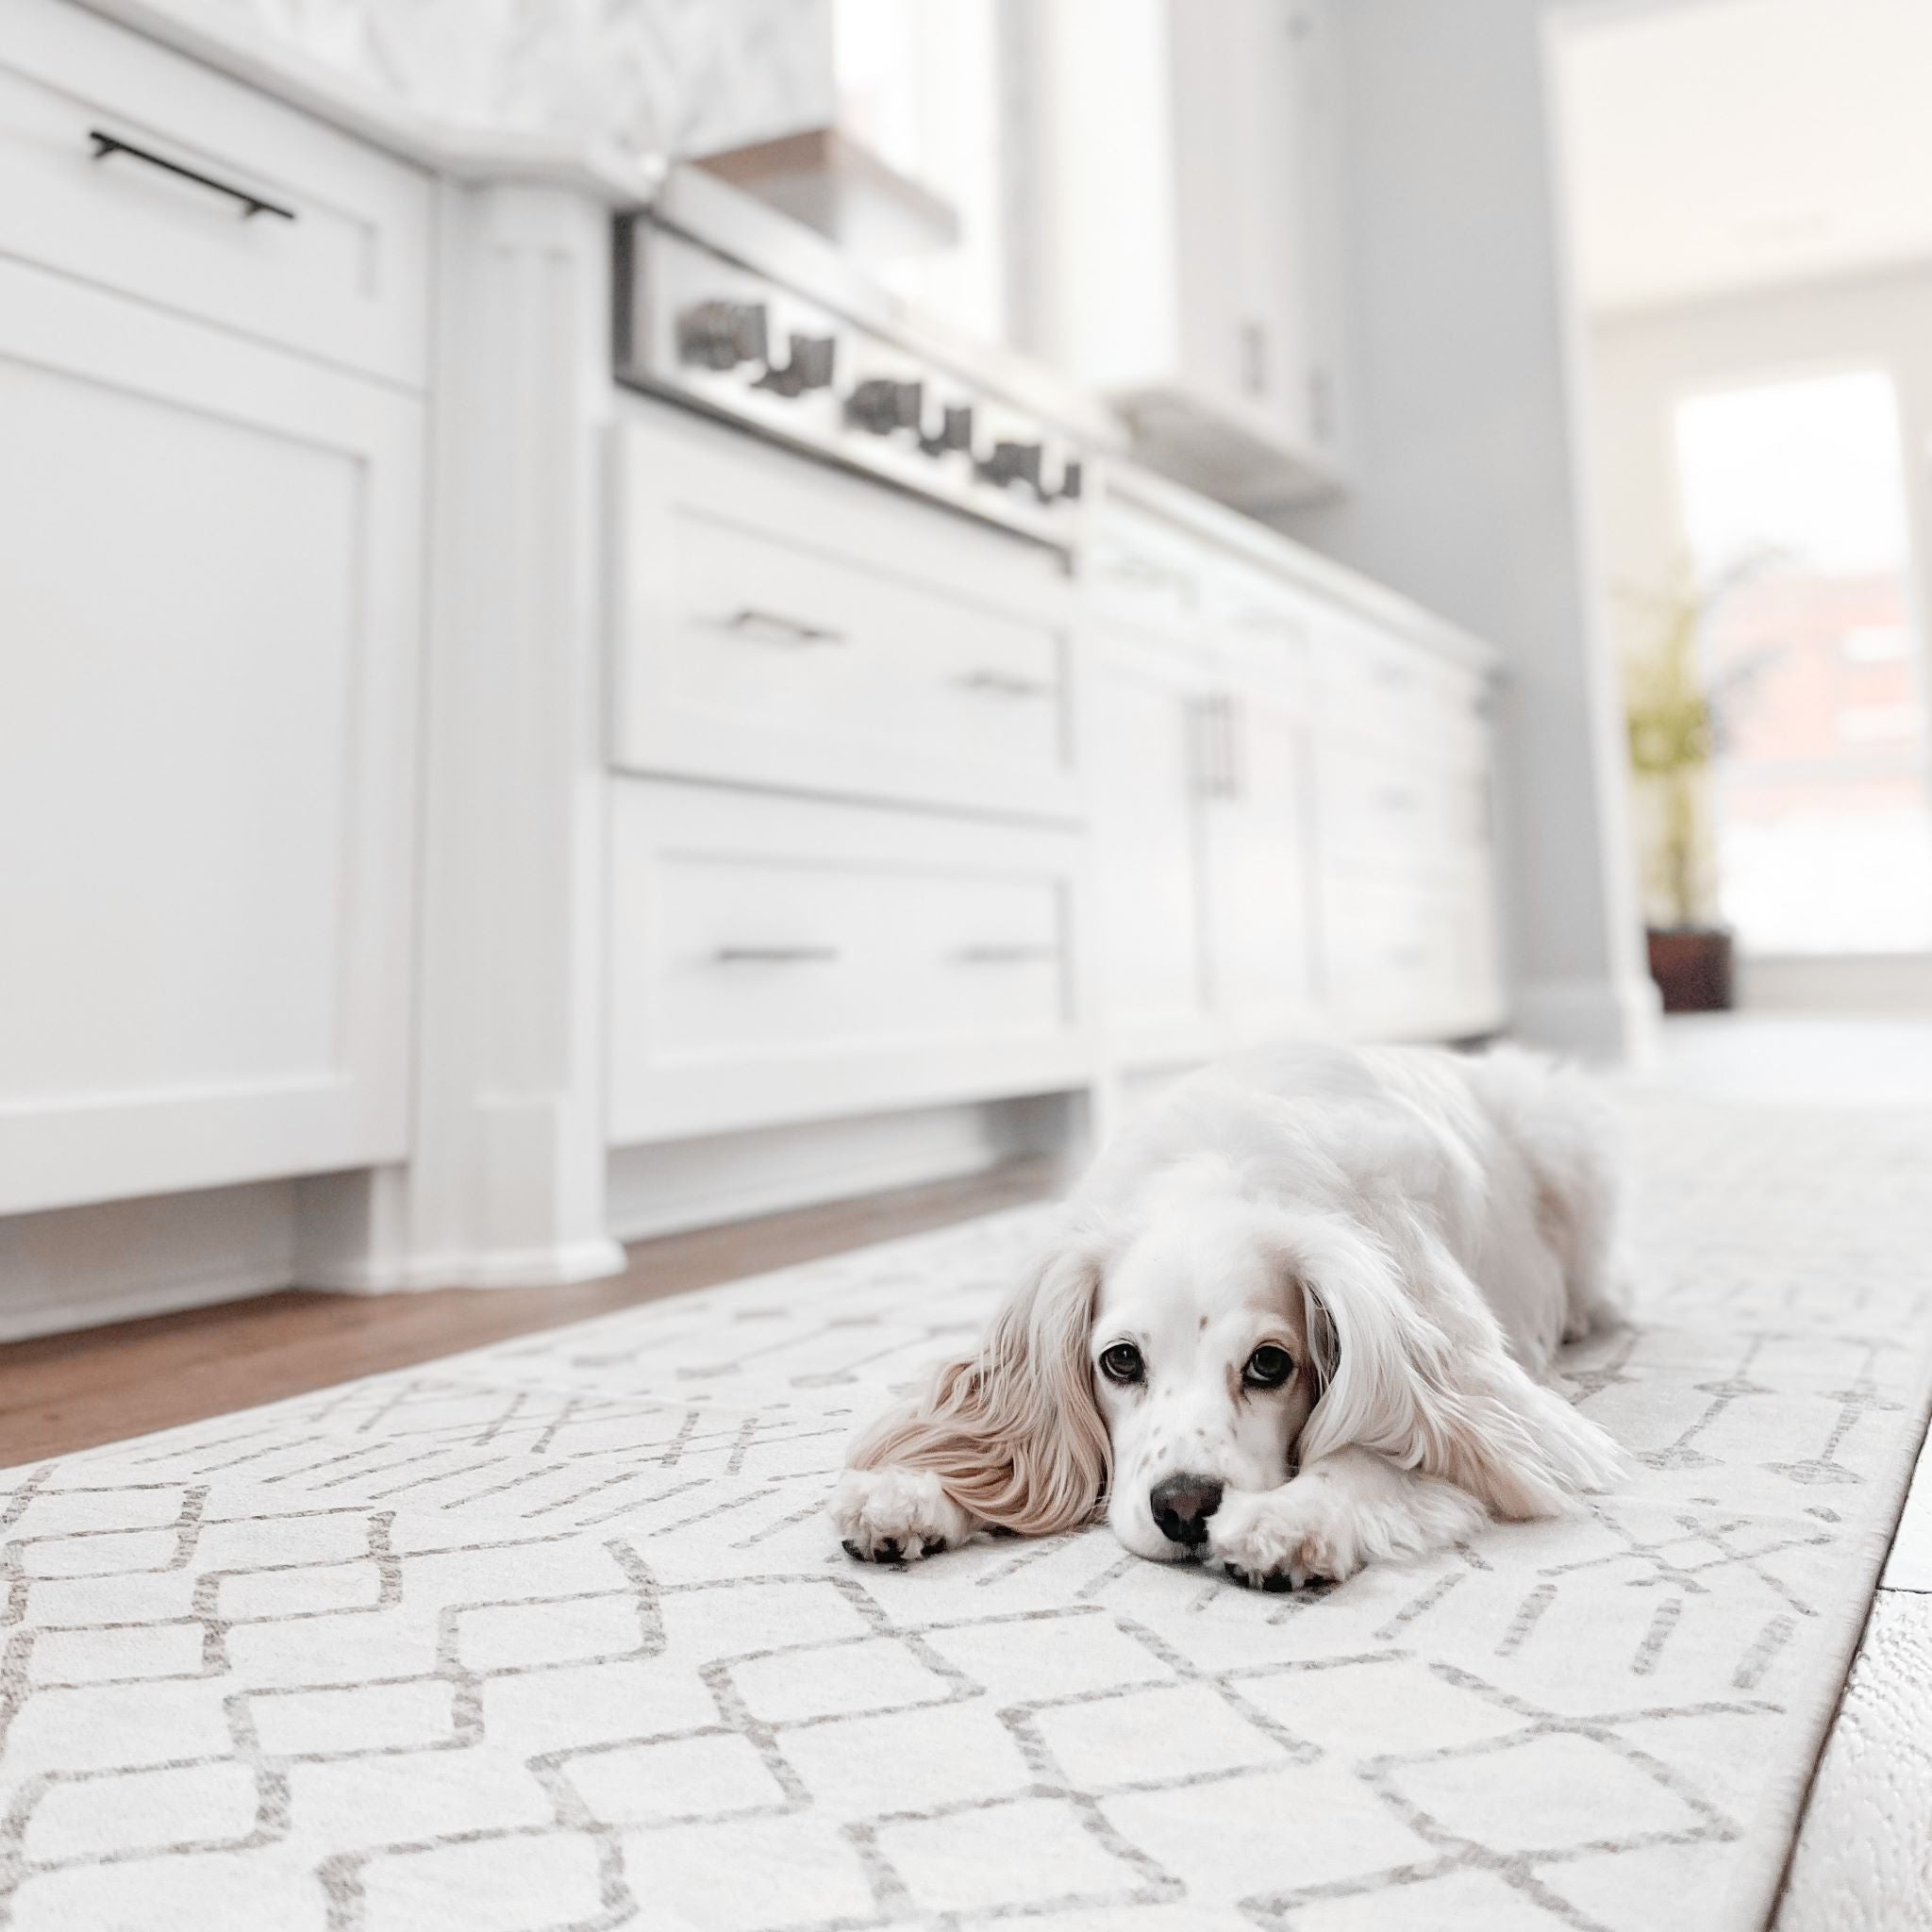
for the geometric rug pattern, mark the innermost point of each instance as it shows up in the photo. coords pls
(554, 1634)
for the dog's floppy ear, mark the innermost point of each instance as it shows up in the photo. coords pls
(1012, 1430)
(1458, 1408)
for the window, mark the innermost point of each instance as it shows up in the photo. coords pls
(1795, 512)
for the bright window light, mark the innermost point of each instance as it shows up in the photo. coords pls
(1794, 508)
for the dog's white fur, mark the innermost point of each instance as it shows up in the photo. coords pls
(1417, 1230)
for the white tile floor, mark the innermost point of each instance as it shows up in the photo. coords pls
(1863, 1862)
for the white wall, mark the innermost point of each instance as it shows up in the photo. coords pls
(1467, 455)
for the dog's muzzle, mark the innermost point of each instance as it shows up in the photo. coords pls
(1181, 1506)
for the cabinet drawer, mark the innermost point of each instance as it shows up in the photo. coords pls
(1373, 685)
(1143, 571)
(1414, 959)
(334, 258)
(1382, 812)
(781, 624)
(1250, 604)
(1378, 686)
(774, 959)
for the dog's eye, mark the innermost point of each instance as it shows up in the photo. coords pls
(1122, 1363)
(1268, 1367)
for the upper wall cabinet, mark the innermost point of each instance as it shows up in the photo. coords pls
(1186, 260)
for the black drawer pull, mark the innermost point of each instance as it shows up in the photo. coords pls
(106, 145)
(775, 956)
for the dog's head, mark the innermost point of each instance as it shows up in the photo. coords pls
(1209, 1352)
(1212, 1341)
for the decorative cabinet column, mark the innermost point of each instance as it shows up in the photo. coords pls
(505, 1182)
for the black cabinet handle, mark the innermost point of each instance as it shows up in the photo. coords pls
(106, 145)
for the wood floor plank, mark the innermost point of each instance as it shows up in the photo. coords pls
(63, 1392)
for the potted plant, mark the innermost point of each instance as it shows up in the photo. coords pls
(1674, 715)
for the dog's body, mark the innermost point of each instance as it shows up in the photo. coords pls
(1294, 1321)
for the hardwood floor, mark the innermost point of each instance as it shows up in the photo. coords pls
(63, 1392)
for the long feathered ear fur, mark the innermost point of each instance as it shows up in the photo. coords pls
(1012, 1430)
(1461, 1409)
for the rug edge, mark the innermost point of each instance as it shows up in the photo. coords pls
(1770, 1840)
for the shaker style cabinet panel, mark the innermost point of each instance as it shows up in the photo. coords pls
(1202, 859)
(1146, 721)
(1408, 861)
(209, 617)
(1259, 865)
(1292, 802)
(778, 958)
(778, 624)
(1211, 317)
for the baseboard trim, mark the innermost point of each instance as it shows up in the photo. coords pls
(1895, 984)
(667, 1188)
(583, 1260)
(122, 1260)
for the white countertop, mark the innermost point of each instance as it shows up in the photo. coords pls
(233, 45)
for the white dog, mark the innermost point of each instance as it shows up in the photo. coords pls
(1294, 1322)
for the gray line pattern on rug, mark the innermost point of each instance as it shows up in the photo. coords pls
(553, 1634)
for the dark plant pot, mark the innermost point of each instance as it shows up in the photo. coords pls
(1693, 967)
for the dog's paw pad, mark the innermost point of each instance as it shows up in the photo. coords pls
(1273, 1581)
(895, 1516)
(1279, 1540)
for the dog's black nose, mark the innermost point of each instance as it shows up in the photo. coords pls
(1181, 1507)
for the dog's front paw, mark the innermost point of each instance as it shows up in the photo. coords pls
(895, 1515)
(1282, 1539)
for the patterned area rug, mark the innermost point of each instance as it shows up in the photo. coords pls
(552, 1635)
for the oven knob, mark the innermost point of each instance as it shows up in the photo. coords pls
(721, 335)
(956, 431)
(811, 367)
(1013, 462)
(813, 356)
(882, 405)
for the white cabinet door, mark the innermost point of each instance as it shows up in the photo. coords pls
(1211, 316)
(1286, 298)
(1146, 725)
(208, 645)
(1259, 859)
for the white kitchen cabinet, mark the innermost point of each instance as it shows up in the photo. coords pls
(132, 167)
(211, 587)
(780, 624)
(1292, 809)
(1147, 718)
(1200, 847)
(1260, 896)
(777, 959)
(1187, 257)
